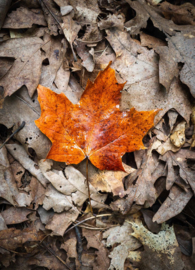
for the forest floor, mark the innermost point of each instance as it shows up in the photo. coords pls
(80, 207)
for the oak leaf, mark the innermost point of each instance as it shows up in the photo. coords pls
(94, 127)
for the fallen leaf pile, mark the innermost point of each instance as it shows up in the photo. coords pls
(112, 82)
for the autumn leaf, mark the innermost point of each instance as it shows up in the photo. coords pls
(94, 127)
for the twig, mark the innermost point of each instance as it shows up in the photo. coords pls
(52, 14)
(79, 244)
(95, 228)
(17, 130)
(87, 41)
(82, 221)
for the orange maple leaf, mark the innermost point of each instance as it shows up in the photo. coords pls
(95, 127)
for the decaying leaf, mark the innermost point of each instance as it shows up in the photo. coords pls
(95, 127)
(26, 69)
(161, 251)
(59, 222)
(12, 191)
(24, 18)
(145, 11)
(12, 238)
(139, 67)
(178, 136)
(53, 22)
(55, 49)
(15, 215)
(94, 241)
(181, 159)
(19, 154)
(17, 108)
(180, 49)
(183, 14)
(174, 204)
(120, 235)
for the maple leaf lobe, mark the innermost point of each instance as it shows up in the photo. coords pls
(94, 127)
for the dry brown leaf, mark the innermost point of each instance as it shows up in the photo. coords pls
(149, 172)
(150, 41)
(182, 14)
(84, 54)
(116, 21)
(55, 49)
(45, 216)
(168, 68)
(180, 49)
(185, 44)
(120, 235)
(86, 11)
(140, 20)
(61, 221)
(70, 247)
(5, 65)
(145, 11)
(172, 119)
(12, 238)
(62, 79)
(49, 8)
(140, 184)
(173, 205)
(18, 108)
(139, 67)
(14, 192)
(26, 69)
(94, 241)
(67, 197)
(15, 215)
(24, 18)
(56, 200)
(70, 29)
(92, 34)
(181, 159)
(18, 152)
(65, 9)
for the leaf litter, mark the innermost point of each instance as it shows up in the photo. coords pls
(144, 213)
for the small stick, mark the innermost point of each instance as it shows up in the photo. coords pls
(79, 244)
(17, 130)
(82, 221)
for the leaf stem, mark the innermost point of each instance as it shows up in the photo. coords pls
(89, 195)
